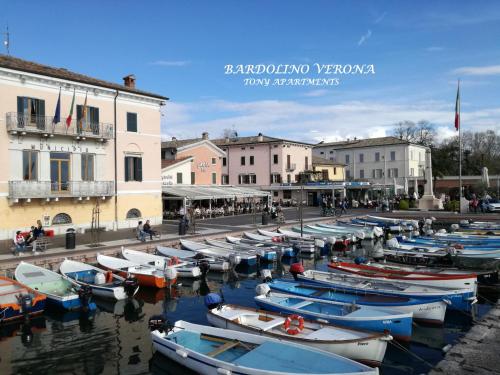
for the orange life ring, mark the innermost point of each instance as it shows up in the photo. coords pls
(297, 329)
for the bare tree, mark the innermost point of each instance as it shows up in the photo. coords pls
(229, 133)
(422, 133)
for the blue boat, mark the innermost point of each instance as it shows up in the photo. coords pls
(459, 299)
(345, 314)
(264, 254)
(234, 257)
(59, 290)
(463, 245)
(430, 311)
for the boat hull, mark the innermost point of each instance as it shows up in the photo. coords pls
(149, 280)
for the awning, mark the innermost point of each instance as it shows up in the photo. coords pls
(200, 192)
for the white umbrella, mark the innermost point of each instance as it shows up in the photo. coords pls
(485, 178)
(406, 186)
(395, 187)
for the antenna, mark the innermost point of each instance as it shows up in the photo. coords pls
(6, 41)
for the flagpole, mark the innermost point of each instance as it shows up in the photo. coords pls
(459, 153)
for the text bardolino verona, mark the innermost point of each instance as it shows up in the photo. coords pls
(300, 69)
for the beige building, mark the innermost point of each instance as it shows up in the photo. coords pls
(328, 170)
(57, 170)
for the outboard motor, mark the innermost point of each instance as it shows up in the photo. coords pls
(85, 294)
(213, 300)
(157, 323)
(204, 267)
(262, 290)
(266, 275)
(360, 260)
(454, 227)
(234, 259)
(296, 269)
(130, 285)
(26, 303)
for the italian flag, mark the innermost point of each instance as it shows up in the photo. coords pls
(68, 120)
(457, 108)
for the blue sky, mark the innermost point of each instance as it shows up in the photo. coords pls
(180, 48)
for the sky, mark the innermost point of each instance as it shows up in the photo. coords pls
(418, 50)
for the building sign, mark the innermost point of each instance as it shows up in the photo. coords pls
(203, 166)
(167, 180)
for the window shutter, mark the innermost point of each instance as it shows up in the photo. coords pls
(138, 177)
(127, 175)
(78, 112)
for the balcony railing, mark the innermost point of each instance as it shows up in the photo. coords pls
(291, 167)
(20, 123)
(47, 189)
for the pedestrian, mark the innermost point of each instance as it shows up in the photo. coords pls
(148, 230)
(343, 207)
(19, 241)
(139, 232)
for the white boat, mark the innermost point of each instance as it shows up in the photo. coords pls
(368, 232)
(285, 249)
(351, 234)
(184, 269)
(146, 275)
(234, 257)
(216, 264)
(362, 346)
(267, 254)
(103, 283)
(216, 351)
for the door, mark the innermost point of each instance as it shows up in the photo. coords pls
(59, 171)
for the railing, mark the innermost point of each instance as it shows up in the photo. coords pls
(25, 123)
(47, 189)
(291, 167)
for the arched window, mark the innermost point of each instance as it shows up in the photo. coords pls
(61, 218)
(134, 213)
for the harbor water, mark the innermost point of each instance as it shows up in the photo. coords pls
(115, 339)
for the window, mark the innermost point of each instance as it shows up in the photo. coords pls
(31, 112)
(288, 162)
(179, 177)
(306, 167)
(87, 167)
(214, 161)
(245, 179)
(392, 172)
(321, 153)
(91, 121)
(224, 162)
(60, 171)
(133, 168)
(275, 159)
(61, 218)
(30, 165)
(334, 171)
(377, 156)
(134, 213)
(131, 122)
(275, 193)
(348, 174)
(361, 173)
(347, 159)
(287, 194)
(393, 155)
(324, 174)
(275, 178)
(225, 179)
(251, 160)
(214, 178)
(193, 178)
(361, 158)
(253, 179)
(288, 178)
(242, 160)
(412, 171)
(331, 152)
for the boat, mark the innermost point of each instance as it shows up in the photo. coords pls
(431, 311)
(214, 263)
(467, 281)
(368, 233)
(183, 269)
(234, 257)
(316, 233)
(387, 226)
(18, 301)
(377, 231)
(60, 291)
(345, 314)
(344, 232)
(460, 299)
(285, 250)
(104, 284)
(362, 346)
(407, 224)
(215, 351)
(264, 254)
(145, 275)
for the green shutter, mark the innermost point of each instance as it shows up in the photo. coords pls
(127, 161)
(131, 122)
(138, 176)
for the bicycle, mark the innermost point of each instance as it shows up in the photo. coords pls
(331, 211)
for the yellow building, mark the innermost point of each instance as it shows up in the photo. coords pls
(327, 170)
(57, 167)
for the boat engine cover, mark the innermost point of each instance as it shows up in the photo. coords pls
(262, 289)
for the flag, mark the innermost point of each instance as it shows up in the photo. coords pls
(57, 114)
(457, 108)
(68, 120)
(84, 115)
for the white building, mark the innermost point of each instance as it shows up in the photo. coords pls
(384, 161)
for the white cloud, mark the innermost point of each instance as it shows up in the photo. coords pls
(380, 18)
(170, 62)
(478, 70)
(365, 37)
(316, 93)
(434, 49)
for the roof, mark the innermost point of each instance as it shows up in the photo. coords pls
(322, 161)
(169, 163)
(221, 142)
(14, 63)
(195, 192)
(369, 142)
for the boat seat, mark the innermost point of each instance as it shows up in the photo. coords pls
(271, 324)
(221, 349)
(301, 304)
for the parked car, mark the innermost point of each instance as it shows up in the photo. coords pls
(493, 205)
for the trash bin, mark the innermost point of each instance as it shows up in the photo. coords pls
(70, 238)
(265, 218)
(182, 227)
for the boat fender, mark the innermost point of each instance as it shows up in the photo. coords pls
(454, 227)
(262, 290)
(446, 348)
(319, 243)
(442, 230)
(223, 371)
(297, 329)
(276, 239)
(181, 353)
(447, 301)
(234, 259)
(170, 273)
(266, 275)
(296, 269)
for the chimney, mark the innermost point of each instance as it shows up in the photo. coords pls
(204, 135)
(129, 81)
(260, 137)
(174, 139)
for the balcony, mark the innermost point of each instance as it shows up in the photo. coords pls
(291, 167)
(47, 189)
(22, 124)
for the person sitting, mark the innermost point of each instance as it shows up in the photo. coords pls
(148, 230)
(32, 236)
(19, 241)
(38, 232)
(139, 232)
